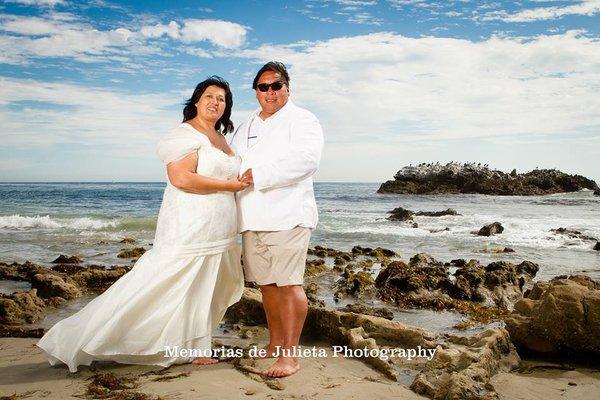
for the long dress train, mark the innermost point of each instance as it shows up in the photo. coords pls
(179, 290)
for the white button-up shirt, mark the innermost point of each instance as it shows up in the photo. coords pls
(283, 160)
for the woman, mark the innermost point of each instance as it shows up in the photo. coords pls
(178, 291)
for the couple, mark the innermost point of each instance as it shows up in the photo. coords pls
(178, 291)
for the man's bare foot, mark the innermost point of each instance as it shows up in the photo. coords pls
(271, 352)
(204, 361)
(284, 366)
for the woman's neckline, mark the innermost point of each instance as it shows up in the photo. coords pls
(207, 138)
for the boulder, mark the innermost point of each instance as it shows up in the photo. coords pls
(355, 284)
(50, 285)
(491, 229)
(131, 253)
(448, 211)
(97, 278)
(573, 234)
(62, 259)
(21, 308)
(400, 214)
(315, 267)
(558, 317)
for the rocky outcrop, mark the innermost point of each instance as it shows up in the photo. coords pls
(475, 178)
(455, 368)
(573, 234)
(491, 229)
(50, 288)
(49, 285)
(62, 259)
(356, 284)
(424, 279)
(463, 367)
(21, 308)
(131, 253)
(561, 316)
(402, 214)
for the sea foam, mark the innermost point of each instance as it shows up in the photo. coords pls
(20, 222)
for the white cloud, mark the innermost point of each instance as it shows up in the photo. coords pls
(586, 7)
(50, 3)
(222, 33)
(404, 89)
(62, 35)
(365, 18)
(64, 113)
(156, 31)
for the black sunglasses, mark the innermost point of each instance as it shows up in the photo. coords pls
(264, 87)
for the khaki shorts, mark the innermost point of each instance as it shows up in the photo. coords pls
(277, 257)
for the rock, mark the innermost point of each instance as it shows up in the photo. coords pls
(400, 214)
(20, 331)
(131, 253)
(491, 229)
(68, 269)
(463, 368)
(367, 310)
(460, 367)
(448, 211)
(422, 273)
(355, 284)
(21, 308)
(415, 225)
(573, 234)
(559, 317)
(597, 246)
(597, 192)
(50, 285)
(322, 252)
(62, 259)
(315, 267)
(97, 278)
(425, 280)
(378, 252)
(127, 240)
(476, 178)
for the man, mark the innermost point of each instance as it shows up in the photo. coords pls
(280, 146)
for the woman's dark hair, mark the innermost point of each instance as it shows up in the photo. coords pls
(274, 66)
(224, 124)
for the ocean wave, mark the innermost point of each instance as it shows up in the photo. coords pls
(20, 222)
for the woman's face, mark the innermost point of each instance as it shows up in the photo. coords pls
(211, 104)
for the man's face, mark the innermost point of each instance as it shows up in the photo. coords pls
(271, 101)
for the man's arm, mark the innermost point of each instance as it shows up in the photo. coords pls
(300, 161)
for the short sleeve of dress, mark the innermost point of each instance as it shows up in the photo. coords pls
(177, 144)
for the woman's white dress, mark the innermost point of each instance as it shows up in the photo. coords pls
(179, 290)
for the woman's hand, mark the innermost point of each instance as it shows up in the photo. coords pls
(236, 185)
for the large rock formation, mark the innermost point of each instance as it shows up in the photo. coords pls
(474, 178)
(458, 367)
(423, 279)
(560, 316)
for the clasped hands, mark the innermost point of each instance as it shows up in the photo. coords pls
(243, 181)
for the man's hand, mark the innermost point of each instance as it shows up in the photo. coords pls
(247, 177)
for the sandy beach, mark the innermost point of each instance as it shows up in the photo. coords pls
(25, 372)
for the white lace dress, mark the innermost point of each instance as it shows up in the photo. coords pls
(179, 290)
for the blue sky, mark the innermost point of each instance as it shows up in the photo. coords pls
(88, 88)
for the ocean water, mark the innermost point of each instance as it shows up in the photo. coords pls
(39, 221)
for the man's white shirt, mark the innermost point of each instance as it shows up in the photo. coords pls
(283, 158)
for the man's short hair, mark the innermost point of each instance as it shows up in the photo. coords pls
(274, 66)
